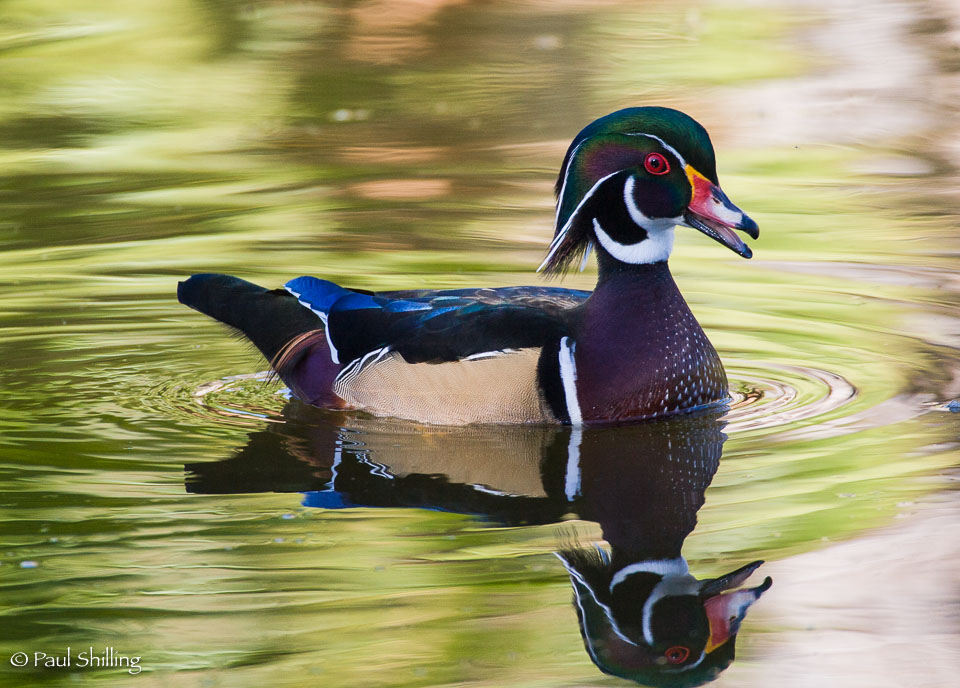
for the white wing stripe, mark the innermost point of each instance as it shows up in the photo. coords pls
(356, 366)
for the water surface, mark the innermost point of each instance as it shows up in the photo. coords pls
(414, 144)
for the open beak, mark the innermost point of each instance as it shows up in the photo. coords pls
(726, 607)
(712, 213)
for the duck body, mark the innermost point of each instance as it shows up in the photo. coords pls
(509, 355)
(628, 351)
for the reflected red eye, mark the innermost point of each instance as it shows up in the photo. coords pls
(656, 164)
(678, 653)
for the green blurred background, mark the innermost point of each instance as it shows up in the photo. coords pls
(390, 144)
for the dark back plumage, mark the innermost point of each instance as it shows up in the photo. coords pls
(436, 326)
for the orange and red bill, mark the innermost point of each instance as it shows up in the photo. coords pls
(726, 607)
(711, 212)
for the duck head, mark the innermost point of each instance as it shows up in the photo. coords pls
(629, 178)
(654, 623)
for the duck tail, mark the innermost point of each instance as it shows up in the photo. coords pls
(268, 318)
(289, 335)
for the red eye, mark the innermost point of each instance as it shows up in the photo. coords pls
(656, 164)
(678, 653)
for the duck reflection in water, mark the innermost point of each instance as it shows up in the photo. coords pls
(643, 615)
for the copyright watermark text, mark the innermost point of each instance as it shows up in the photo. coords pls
(78, 658)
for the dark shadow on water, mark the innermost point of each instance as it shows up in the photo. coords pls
(643, 615)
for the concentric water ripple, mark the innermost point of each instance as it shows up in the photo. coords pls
(764, 396)
(781, 394)
(247, 400)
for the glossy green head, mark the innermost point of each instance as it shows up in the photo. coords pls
(632, 176)
(660, 182)
(680, 130)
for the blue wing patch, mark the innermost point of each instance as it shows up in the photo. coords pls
(324, 297)
(316, 294)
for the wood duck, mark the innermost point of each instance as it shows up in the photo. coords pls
(628, 351)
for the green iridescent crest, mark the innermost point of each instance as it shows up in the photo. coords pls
(599, 157)
(676, 128)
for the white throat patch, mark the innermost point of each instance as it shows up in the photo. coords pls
(656, 247)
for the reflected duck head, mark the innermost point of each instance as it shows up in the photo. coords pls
(655, 623)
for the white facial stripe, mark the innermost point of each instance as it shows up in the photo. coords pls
(635, 213)
(654, 226)
(655, 248)
(606, 610)
(549, 256)
(557, 240)
(566, 176)
(568, 376)
(651, 224)
(666, 145)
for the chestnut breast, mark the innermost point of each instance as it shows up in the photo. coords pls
(640, 353)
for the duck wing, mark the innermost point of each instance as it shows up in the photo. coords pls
(424, 326)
